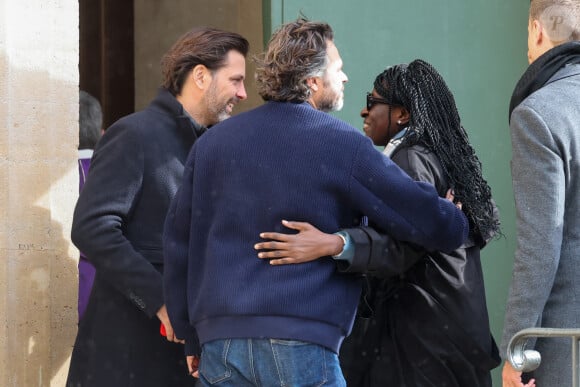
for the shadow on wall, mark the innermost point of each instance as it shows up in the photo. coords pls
(38, 268)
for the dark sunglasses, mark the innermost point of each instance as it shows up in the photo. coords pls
(372, 101)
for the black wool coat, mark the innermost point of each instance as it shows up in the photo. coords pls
(118, 223)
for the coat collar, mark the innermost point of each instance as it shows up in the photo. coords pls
(167, 103)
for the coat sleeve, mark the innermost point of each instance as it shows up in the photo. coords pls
(104, 205)
(404, 209)
(374, 251)
(176, 256)
(377, 254)
(539, 191)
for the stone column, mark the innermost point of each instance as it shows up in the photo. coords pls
(38, 189)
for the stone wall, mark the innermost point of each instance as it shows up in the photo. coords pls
(39, 186)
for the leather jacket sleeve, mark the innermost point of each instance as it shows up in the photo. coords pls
(377, 253)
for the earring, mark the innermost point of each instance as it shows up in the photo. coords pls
(399, 122)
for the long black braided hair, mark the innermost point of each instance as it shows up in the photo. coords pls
(435, 123)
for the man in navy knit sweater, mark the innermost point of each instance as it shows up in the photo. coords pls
(266, 325)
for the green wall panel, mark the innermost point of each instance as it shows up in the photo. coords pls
(480, 49)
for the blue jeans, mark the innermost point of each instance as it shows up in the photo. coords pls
(268, 363)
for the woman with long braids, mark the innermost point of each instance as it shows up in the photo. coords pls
(423, 317)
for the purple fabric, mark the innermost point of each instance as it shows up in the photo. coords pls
(86, 278)
(84, 165)
(86, 270)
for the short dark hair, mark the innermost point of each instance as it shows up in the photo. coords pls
(560, 18)
(295, 52)
(90, 120)
(202, 45)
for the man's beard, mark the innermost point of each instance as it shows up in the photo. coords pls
(330, 103)
(223, 113)
(332, 100)
(217, 109)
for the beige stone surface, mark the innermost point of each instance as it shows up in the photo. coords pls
(39, 180)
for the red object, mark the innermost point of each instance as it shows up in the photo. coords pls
(162, 330)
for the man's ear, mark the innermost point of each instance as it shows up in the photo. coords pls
(313, 83)
(201, 76)
(538, 33)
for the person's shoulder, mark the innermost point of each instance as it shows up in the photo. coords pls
(415, 157)
(304, 111)
(232, 125)
(248, 115)
(414, 152)
(128, 123)
(290, 112)
(230, 129)
(564, 84)
(345, 126)
(569, 71)
(553, 102)
(334, 128)
(414, 149)
(132, 128)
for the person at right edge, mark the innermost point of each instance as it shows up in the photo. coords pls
(423, 320)
(545, 132)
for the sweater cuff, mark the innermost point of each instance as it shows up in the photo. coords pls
(360, 250)
(347, 252)
(192, 346)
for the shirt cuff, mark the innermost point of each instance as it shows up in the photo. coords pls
(347, 253)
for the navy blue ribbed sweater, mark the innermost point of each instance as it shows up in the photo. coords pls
(246, 174)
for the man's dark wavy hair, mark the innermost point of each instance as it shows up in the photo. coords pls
(203, 45)
(296, 52)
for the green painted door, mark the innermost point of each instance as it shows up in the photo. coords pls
(480, 49)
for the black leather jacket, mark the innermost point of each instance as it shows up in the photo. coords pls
(423, 319)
